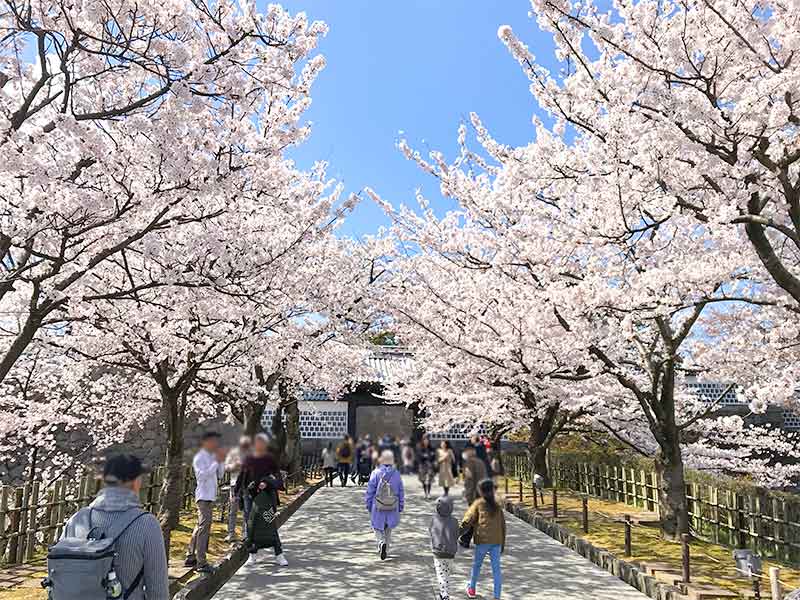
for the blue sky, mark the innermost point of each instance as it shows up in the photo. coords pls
(417, 66)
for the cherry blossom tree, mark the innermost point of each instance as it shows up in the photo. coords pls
(122, 120)
(489, 347)
(630, 309)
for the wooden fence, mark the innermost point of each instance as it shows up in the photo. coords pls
(719, 512)
(32, 518)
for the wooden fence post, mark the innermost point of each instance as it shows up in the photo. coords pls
(33, 521)
(585, 513)
(520, 489)
(23, 523)
(555, 503)
(775, 583)
(4, 494)
(13, 529)
(685, 558)
(628, 544)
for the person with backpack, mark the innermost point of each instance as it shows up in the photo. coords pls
(344, 457)
(488, 524)
(112, 548)
(443, 530)
(385, 499)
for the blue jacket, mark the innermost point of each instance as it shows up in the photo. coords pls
(381, 519)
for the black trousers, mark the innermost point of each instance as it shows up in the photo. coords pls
(330, 475)
(344, 471)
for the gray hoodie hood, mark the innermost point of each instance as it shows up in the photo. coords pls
(116, 499)
(444, 506)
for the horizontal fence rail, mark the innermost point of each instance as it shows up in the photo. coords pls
(33, 518)
(720, 512)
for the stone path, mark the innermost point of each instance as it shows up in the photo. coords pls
(332, 554)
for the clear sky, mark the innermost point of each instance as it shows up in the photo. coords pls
(417, 66)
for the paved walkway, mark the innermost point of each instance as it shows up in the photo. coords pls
(332, 554)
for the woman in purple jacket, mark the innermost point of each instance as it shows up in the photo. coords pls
(385, 499)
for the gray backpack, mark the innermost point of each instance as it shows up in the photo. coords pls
(385, 498)
(83, 568)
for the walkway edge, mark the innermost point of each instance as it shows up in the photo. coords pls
(204, 588)
(626, 571)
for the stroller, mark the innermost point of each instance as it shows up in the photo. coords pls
(364, 468)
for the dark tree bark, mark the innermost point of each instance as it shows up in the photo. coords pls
(173, 408)
(253, 415)
(294, 448)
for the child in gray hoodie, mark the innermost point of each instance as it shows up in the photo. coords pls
(444, 543)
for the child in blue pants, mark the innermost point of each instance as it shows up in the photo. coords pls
(488, 524)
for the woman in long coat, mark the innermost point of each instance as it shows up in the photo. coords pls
(383, 521)
(445, 459)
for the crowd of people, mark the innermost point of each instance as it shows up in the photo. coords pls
(138, 570)
(483, 522)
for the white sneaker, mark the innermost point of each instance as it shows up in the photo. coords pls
(281, 560)
(252, 559)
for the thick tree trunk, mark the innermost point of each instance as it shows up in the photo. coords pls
(294, 448)
(253, 415)
(539, 440)
(171, 499)
(21, 342)
(672, 502)
(278, 431)
(538, 461)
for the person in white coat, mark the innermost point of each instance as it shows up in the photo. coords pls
(208, 465)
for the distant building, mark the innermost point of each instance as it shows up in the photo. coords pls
(731, 402)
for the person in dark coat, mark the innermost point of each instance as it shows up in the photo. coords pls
(261, 479)
(426, 465)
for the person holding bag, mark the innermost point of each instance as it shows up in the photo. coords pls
(488, 524)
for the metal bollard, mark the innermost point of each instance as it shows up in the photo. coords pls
(628, 548)
(555, 503)
(585, 513)
(685, 558)
(535, 500)
(520, 489)
(506, 480)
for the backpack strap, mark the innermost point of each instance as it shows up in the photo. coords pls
(134, 584)
(128, 523)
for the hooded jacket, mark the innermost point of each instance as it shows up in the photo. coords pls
(444, 529)
(139, 548)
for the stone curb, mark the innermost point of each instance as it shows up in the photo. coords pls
(204, 588)
(624, 570)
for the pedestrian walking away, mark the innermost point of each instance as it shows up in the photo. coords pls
(488, 524)
(445, 459)
(344, 459)
(407, 456)
(329, 464)
(443, 531)
(426, 464)
(385, 499)
(137, 565)
(474, 471)
(261, 480)
(208, 465)
(233, 466)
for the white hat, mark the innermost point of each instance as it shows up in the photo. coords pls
(386, 458)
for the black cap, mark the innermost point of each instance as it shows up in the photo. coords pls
(122, 468)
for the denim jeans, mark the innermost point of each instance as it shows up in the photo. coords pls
(493, 550)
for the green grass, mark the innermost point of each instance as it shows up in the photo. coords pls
(710, 564)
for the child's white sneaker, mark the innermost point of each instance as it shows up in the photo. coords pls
(252, 559)
(281, 560)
